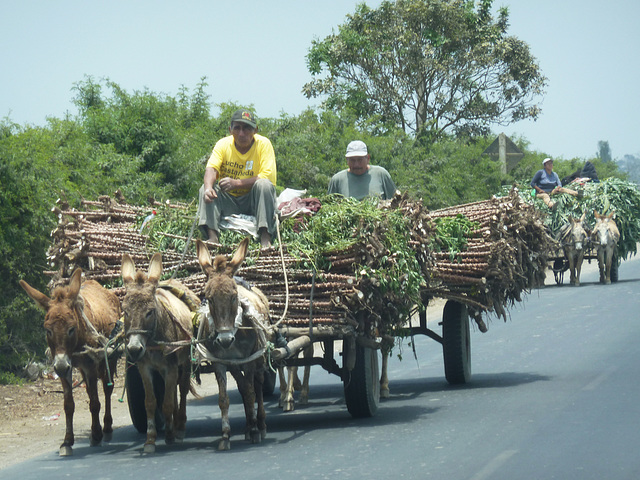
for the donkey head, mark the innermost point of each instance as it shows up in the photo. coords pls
(221, 292)
(605, 231)
(139, 305)
(578, 233)
(61, 321)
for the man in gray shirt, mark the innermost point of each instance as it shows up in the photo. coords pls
(361, 179)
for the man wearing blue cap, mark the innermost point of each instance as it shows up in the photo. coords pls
(361, 179)
(244, 166)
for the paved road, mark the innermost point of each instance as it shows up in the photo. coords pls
(554, 395)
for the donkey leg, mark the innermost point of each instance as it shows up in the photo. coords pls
(601, 264)
(609, 257)
(288, 403)
(169, 403)
(107, 390)
(572, 268)
(247, 380)
(91, 381)
(69, 409)
(283, 386)
(181, 415)
(150, 405)
(578, 266)
(223, 403)
(261, 414)
(304, 391)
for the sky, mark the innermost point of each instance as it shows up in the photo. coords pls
(253, 53)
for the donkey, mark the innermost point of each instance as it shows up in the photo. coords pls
(156, 322)
(79, 317)
(574, 241)
(606, 235)
(234, 336)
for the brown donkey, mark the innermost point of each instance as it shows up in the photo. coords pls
(605, 234)
(78, 316)
(234, 336)
(574, 242)
(156, 323)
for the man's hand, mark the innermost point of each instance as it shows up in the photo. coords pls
(210, 195)
(227, 184)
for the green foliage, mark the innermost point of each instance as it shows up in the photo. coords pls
(343, 222)
(452, 234)
(431, 66)
(163, 134)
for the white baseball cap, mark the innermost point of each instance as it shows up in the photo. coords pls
(547, 160)
(357, 149)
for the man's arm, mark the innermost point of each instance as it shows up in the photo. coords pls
(536, 180)
(388, 186)
(210, 176)
(228, 183)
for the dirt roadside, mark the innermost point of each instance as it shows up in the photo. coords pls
(32, 420)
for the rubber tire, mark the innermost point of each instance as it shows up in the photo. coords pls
(362, 385)
(269, 385)
(136, 396)
(456, 343)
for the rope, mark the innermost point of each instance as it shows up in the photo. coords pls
(269, 348)
(286, 280)
(207, 355)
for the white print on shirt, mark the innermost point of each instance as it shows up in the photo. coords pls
(249, 165)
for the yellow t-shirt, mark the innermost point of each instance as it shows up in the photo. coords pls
(259, 161)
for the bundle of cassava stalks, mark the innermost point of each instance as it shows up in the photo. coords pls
(353, 265)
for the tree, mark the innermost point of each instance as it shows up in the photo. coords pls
(428, 67)
(604, 151)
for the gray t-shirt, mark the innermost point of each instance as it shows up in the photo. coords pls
(376, 181)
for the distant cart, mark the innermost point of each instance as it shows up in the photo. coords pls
(559, 264)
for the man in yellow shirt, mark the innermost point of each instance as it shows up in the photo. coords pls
(244, 166)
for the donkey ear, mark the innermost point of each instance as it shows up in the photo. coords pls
(204, 256)
(582, 217)
(75, 282)
(239, 256)
(155, 267)
(597, 215)
(40, 298)
(128, 269)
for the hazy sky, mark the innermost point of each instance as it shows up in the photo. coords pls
(253, 52)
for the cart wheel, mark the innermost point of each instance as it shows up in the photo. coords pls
(456, 343)
(269, 385)
(362, 384)
(135, 398)
(614, 268)
(560, 265)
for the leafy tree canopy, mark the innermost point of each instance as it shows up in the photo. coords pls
(428, 67)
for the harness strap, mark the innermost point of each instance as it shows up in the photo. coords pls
(206, 354)
(101, 339)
